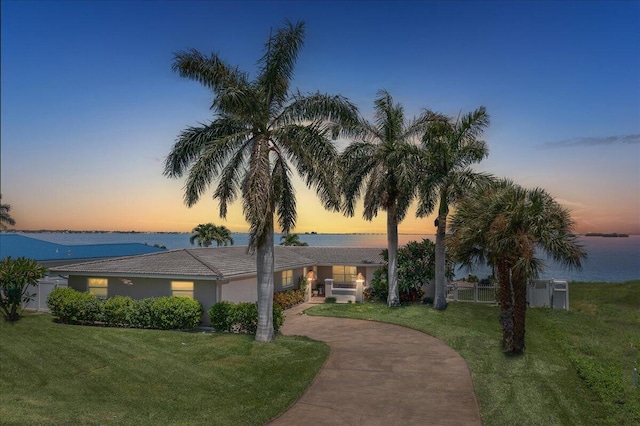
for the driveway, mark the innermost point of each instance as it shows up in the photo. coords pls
(380, 374)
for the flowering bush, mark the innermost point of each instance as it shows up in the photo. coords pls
(288, 299)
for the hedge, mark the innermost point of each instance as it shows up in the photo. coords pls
(288, 299)
(241, 317)
(165, 313)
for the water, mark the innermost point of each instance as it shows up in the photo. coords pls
(609, 259)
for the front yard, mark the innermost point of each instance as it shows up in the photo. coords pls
(62, 374)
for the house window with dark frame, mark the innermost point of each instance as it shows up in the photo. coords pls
(182, 289)
(344, 274)
(98, 286)
(287, 278)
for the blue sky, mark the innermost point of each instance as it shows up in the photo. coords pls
(90, 106)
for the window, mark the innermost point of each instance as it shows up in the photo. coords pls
(98, 286)
(287, 278)
(344, 274)
(182, 289)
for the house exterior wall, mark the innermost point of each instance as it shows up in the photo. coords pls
(203, 291)
(244, 290)
(277, 280)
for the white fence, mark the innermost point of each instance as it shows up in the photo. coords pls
(41, 292)
(540, 293)
(463, 291)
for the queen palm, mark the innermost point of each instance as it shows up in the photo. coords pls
(206, 234)
(5, 216)
(506, 226)
(450, 147)
(260, 131)
(382, 163)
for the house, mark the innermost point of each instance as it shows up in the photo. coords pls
(214, 274)
(51, 254)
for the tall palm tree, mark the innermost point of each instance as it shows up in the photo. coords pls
(292, 240)
(259, 132)
(382, 163)
(5, 216)
(206, 234)
(449, 148)
(506, 226)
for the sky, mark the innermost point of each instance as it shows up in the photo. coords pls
(90, 107)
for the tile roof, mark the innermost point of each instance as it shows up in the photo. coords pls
(223, 262)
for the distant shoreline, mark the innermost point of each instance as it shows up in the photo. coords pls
(69, 231)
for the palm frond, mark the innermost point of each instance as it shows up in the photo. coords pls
(340, 114)
(230, 179)
(284, 195)
(257, 194)
(210, 71)
(278, 62)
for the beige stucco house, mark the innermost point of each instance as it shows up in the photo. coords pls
(213, 274)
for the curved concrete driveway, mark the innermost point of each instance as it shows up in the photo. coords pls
(380, 374)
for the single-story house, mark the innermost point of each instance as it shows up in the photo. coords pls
(214, 274)
(50, 254)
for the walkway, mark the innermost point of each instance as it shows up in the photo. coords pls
(380, 374)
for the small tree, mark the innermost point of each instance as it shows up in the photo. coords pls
(15, 277)
(416, 266)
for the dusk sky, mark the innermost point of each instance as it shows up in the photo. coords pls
(90, 107)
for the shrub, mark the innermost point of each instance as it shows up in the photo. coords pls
(16, 275)
(120, 311)
(141, 317)
(219, 314)
(241, 317)
(75, 307)
(170, 313)
(244, 317)
(288, 299)
(329, 300)
(416, 265)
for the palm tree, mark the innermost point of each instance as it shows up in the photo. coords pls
(291, 240)
(259, 132)
(383, 164)
(5, 216)
(206, 234)
(505, 226)
(449, 148)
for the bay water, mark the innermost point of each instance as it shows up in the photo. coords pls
(609, 259)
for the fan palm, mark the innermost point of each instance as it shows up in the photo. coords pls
(505, 226)
(206, 234)
(5, 216)
(449, 148)
(292, 240)
(382, 163)
(260, 131)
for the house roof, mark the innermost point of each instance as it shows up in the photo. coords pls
(16, 245)
(220, 263)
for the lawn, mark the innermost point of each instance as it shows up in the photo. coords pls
(62, 374)
(578, 365)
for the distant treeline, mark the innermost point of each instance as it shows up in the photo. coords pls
(600, 234)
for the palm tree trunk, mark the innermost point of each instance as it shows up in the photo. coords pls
(519, 314)
(393, 299)
(506, 305)
(264, 266)
(440, 301)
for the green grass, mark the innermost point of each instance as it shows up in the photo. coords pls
(61, 374)
(577, 368)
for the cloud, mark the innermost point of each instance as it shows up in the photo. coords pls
(591, 141)
(567, 203)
